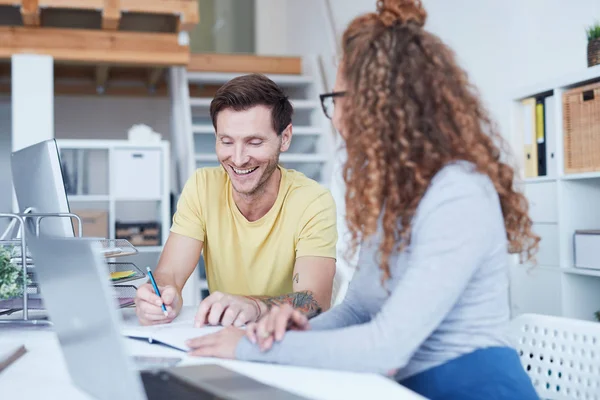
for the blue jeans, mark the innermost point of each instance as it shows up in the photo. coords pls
(493, 373)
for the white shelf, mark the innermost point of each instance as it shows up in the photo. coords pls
(305, 104)
(307, 158)
(207, 129)
(149, 249)
(203, 129)
(582, 271)
(306, 130)
(222, 77)
(99, 144)
(200, 101)
(207, 157)
(300, 158)
(567, 81)
(583, 175)
(297, 104)
(129, 199)
(87, 198)
(540, 179)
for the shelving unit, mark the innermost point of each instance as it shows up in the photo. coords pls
(560, 203)
(98, 186)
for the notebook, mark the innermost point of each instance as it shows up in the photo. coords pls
(172, 335)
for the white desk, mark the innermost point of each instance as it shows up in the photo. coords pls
(42, 372)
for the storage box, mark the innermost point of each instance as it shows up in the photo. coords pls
(95, 222)
(581, 124)
(139, 233)
(137, 174)
(586, 249)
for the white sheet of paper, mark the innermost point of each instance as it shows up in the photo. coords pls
(174, 334)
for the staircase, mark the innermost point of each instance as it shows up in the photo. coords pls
(311, 151)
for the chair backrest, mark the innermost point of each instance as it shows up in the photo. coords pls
(561, 355)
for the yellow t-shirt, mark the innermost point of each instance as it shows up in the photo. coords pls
(256, 258)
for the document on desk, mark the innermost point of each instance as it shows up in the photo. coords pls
(173, 335)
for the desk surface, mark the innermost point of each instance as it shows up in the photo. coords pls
(42, 372)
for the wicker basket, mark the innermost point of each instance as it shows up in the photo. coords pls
(593, 52)
(581, 126)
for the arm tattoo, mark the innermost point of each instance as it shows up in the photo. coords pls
(296, 277)
(301, 301)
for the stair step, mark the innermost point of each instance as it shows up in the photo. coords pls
(219, 78)
(285, 157)
(297, 130)
(297, 103)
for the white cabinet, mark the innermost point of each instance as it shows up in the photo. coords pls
(137, 173)
(542, 201)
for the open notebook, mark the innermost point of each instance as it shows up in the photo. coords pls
(174, 334)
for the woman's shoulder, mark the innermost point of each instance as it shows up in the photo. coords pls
(461, 178)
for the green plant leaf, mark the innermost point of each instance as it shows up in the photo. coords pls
(593, 32)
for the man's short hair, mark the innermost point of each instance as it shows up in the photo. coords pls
(247, 91)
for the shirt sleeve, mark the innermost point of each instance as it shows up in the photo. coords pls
(189, 219)
(317, 234)
(450, 239)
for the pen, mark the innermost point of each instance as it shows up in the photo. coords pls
(156, 290)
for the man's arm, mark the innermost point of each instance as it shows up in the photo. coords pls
(312, 283)
(177, 262)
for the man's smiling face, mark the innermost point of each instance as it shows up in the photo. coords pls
(248, 147)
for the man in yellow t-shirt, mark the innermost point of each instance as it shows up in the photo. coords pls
(268, 233)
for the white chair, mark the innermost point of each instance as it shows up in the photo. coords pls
(561, 355)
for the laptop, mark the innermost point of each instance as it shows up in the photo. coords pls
(72, 276)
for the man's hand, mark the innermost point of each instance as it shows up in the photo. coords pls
(274, 324)
(221, 344)
(227, 309)
(148, 306)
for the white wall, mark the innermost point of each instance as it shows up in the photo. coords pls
(99, 117)
(502, 45)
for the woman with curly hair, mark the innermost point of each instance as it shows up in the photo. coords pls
(433, 206)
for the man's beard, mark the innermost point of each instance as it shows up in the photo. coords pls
(266, 175)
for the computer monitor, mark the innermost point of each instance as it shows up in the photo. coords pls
(39, 186)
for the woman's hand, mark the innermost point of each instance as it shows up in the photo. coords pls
(273, 325)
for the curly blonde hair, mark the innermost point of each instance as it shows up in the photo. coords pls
(409, 110)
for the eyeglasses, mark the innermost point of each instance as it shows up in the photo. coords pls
(328, 102)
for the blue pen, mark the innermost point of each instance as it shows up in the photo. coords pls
(156, 290)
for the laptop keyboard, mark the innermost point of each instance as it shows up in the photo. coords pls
(160, 385)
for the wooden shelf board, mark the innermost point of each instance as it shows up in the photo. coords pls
(89, 46)
(111, 13)
(244, 63)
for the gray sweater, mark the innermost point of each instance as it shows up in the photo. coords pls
(448, 292)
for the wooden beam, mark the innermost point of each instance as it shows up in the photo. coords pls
(73, 4)
(101, 77)
(245, 63)
(188, 10)
(30, 13)
(154, 76)
(96, 46)
(111, 15)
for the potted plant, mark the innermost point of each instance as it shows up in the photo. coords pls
(11, 276)
(593, 49)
